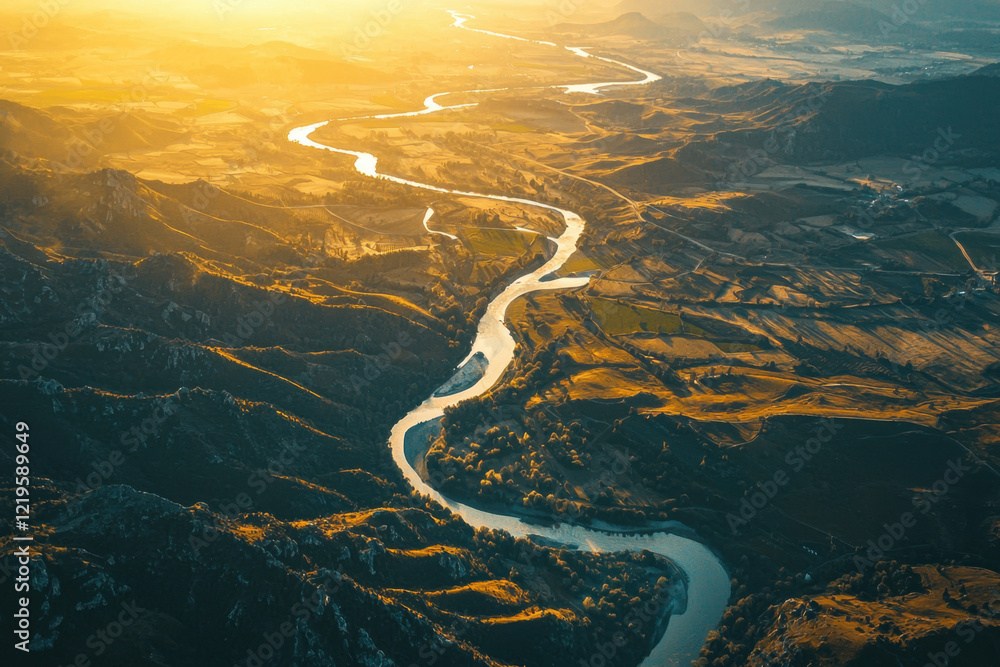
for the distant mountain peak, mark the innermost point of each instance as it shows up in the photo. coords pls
(638, 25)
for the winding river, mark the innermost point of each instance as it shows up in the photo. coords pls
(692, 615)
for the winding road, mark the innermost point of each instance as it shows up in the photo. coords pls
(693, 614)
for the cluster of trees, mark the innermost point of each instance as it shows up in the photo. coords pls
(527, 463)
(371, 268)
(453, 313)
(745, 622)
(885, 579)
(553, 465)
(609, 581)
(541, 369)
(566, 443)
(610, 590)
(377, 192)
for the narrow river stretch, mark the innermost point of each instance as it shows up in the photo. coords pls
(693, 615)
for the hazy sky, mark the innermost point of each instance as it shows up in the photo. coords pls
(213, 8)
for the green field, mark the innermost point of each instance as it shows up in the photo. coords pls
(934, 244)
(501, 242)
(983, 247)
(621, 319)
